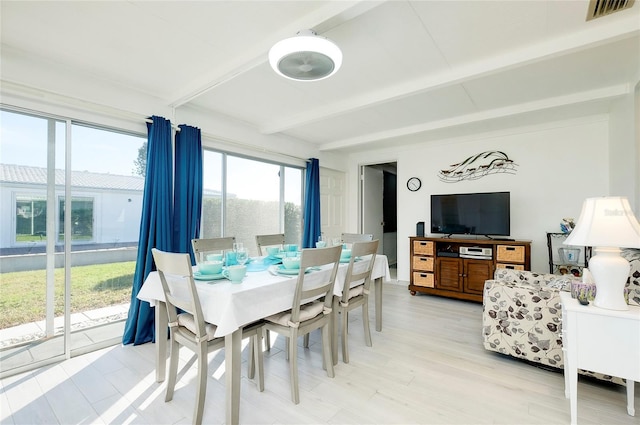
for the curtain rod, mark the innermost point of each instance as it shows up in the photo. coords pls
(173, 126)
(237, 143)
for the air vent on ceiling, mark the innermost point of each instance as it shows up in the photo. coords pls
(599, 8)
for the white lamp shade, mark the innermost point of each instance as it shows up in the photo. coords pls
(305, 57)
(606, 222)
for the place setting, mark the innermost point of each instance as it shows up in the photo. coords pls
(209, 270)
(230, 265)
(275, 254)
(290, 267)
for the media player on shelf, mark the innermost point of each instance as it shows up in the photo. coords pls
(476, 252)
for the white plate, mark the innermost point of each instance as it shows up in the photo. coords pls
(279, 269)
(282, 270)
(200, 276)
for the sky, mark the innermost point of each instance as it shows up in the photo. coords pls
(23, 141)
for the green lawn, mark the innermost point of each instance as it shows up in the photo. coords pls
(23, 294)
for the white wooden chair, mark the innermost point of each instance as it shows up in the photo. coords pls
(356, 296)
(263, 241)
(203, 247)
(305, 317)
(356, 237)
(189, 329)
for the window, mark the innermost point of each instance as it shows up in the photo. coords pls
(31, 219)
(211, 223)
(81, 219)
(245, 197)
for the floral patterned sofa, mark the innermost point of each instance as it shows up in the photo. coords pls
(522, 314)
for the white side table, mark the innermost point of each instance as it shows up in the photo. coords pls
(599, 340)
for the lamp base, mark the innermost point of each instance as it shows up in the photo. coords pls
(610, 272)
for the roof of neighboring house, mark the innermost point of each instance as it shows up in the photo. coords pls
(10, 173)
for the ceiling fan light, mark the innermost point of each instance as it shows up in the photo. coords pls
(305, 57)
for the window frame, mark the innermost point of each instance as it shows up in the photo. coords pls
(281, 191)
(16, 194)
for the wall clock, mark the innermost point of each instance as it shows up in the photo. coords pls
(413, 184)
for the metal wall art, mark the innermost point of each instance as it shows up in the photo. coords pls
(479, 165)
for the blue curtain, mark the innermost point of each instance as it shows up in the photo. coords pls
(187, 198)
(311, 218)
(155, 226)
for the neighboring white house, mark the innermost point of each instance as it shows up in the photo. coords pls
(106, 208)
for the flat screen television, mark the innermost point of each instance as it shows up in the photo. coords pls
(471, 214)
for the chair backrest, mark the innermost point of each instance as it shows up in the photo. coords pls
(176, 276)
(203, 247)
(264, 241)
(358, 270)
(308, 287)
(356, 237)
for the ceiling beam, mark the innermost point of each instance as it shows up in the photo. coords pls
(592, 37)
(603, 94)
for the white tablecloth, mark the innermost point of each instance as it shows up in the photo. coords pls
(230, 306)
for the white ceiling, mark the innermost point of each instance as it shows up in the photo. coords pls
(413, 70)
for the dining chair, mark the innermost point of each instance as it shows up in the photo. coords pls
(356, 237)
(264, 241)
(188, 328)
(359, 275)
(203, 247)
(306, 316)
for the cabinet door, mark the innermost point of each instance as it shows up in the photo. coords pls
(449, 274)
(475, 273)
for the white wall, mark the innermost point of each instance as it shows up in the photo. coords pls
(559, 165)
(116, 213)
(623, 162)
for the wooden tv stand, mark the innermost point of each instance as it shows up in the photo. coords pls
(439, 268)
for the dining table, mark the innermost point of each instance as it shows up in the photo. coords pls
(264, 291)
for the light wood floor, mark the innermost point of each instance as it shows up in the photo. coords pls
(426, 366)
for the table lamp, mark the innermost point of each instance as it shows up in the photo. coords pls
(607, 224)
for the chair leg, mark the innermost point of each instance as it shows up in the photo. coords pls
(258, 360)
(251, 360)
(293, 365)
(173, 369)
(288, 346)
(365, 321)
(306, 340)
(345, 336)
(336, 315)
(267, 339)
(326, 350)
(201, 391)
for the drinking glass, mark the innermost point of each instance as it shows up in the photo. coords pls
(230, 257)
(242, 256)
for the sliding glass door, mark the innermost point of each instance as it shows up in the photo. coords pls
(71, 198)
(32, 262)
